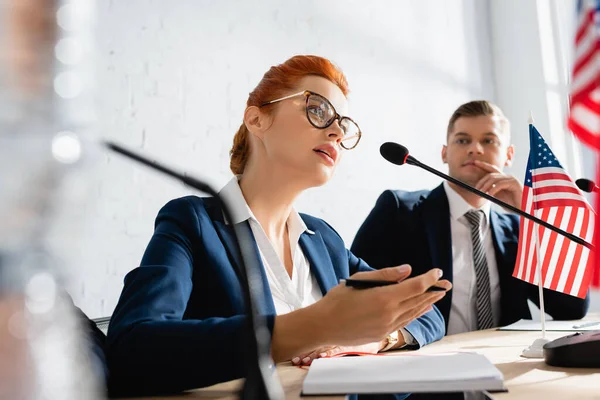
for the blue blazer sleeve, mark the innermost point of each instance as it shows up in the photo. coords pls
(151, 347)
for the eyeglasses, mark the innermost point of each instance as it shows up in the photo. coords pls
(321, 114)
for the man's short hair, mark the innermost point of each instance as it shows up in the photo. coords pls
(479, 108)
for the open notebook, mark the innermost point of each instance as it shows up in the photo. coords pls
(455, 372)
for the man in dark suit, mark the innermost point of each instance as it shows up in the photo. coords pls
(452, 229)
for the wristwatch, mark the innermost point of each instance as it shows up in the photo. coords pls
(392, 339)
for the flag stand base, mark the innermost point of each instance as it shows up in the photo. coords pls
(536, 350)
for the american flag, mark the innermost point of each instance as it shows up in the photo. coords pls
(584, 118)
(550, 194)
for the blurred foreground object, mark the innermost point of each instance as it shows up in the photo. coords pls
(584, 116)
(46, 111)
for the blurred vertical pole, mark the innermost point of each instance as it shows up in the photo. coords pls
(46, 117)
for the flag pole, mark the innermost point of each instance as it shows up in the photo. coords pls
(536, 350)
(538, 272)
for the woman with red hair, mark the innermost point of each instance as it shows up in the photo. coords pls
(180, 321)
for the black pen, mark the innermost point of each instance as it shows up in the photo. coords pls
(369, 283)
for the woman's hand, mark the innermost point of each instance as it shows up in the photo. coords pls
(329, 351)
(355, 316)
(347, 317)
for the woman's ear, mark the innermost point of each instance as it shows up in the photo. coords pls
(256, 121)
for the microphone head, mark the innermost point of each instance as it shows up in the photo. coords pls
(394, 153)
(585, 184)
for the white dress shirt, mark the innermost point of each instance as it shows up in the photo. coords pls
(463, 311)
(289, 294)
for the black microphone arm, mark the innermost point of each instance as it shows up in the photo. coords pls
(399, 155)
(260, 381)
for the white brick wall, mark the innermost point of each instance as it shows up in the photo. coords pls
(173, 79)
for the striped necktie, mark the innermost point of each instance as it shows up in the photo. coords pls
(485, 319)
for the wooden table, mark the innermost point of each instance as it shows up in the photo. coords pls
(524, 378)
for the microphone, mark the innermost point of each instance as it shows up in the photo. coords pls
(586, 185)
(260, 383)
(399, 155)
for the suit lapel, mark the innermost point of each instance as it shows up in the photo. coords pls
(436, 218)
(436, 213)
(228, 239)
(320, 263)
(505, 244)
(502, 243)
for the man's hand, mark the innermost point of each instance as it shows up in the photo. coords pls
(496, 183)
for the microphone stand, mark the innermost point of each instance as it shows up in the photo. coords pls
(413, 161)
(259, 383)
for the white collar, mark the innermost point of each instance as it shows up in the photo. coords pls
(459, 206)
(240, 211)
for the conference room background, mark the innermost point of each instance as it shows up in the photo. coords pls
(172, 79)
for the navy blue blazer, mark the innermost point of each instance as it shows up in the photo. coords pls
(414, 228)
(180, 324)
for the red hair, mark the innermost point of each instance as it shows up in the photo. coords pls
(279, 81)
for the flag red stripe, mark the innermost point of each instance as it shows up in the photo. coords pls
(523, 253)
(577, 257)
(546, 217)
(595, 278)
(587, 271)
(518, 271)
(555, 189)
(582, 133)
(581, 122)
(534, 242)
(590, 104)
(585, 282)
(587, 19)
(550, 176)
(532, 268)
(529, 252)
(552, 243)
(585, 58)
(529, 272)
(564, 249)
(546, 242)
(587, 277)
(585, 90)
(538, 205)
(586, 102)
